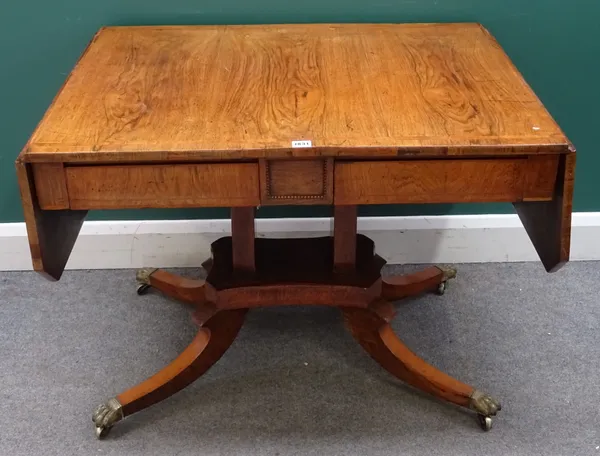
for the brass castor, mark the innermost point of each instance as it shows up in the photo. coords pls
(441, 289)
(102, 432)
(105, 416)
(142, 288)
(449, 273)
(142, 278)
(486, 407)
(485, 422)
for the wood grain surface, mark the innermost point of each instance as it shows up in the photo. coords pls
(184, 185)
(540, 178)
(377, 337)
(296, 182)
(440, 181)
(51, 186)
(231, 92)
(211, 342)
(191, 291)
(291, 294)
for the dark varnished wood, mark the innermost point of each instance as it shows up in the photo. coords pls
(548, 223)
(211, 342)
(242, 235)
(378, 339)
(51, 234)
(294, 261)
(344, 229)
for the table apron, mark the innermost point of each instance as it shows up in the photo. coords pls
(446, 181)
(342, 182)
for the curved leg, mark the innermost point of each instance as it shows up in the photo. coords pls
(211, 342)
(378, 339)
(398, 287)
(183, 289)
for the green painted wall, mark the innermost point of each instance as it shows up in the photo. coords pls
(555, 44)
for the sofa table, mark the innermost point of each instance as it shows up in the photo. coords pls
(308, 114)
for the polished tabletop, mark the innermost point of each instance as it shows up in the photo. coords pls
(235, 92)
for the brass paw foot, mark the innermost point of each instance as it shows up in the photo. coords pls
(448, 273)
(486, 407)
(142, 278)
(105, 417)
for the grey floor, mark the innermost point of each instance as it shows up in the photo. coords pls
(294, 382)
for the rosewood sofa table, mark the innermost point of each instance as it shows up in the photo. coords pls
(328, 114)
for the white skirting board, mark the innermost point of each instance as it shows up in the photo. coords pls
(400, 240)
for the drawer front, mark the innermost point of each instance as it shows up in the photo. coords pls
(446, 181)
(296, 181)
(163, 186)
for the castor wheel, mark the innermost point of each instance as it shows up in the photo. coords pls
(142, 288)
(102, 432)
(485, 422)
(441, 289)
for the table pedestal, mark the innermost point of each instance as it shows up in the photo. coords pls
(294, 272)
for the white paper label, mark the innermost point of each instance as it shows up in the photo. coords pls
(303, 143)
